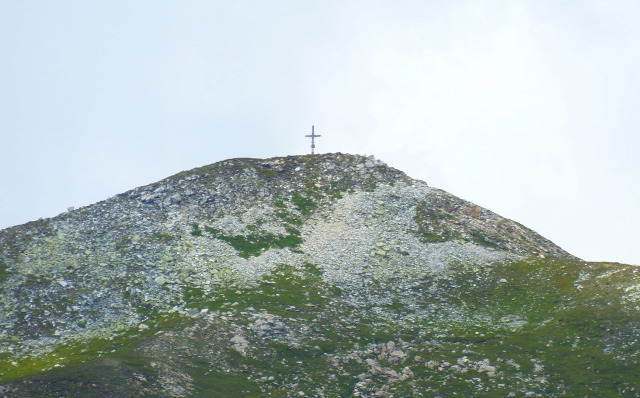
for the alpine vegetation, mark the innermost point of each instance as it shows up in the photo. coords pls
(328, 275)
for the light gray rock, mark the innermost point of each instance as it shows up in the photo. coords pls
(239, 343)
(397, 356)
(432, 364)
(407, 373)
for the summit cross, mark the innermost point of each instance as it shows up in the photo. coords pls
(313, 136)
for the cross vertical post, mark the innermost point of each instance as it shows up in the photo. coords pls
(313, 136)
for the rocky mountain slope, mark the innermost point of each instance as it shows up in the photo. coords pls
(320, 276)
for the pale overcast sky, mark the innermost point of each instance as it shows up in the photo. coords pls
(530, 108)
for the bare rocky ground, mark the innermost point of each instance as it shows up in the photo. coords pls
(320, 276)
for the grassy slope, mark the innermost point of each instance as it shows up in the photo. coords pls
(547, 326)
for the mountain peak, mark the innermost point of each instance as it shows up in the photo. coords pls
(268, 177)
(242, 252)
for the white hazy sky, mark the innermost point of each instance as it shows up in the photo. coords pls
(530, 108)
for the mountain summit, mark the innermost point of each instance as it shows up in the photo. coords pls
(319, 275)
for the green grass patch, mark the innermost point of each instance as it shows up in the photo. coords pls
(253, 244)
(288, 217)
(195, 230)
(480, 238)
(191, 294)
(164, 237)
(280, 292)
(69, 356)
(266, 172)
(4, 274)
(432, 224)
(305, 204)
(279, 202)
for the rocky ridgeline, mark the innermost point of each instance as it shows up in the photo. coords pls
(88, 272)
(282, 252)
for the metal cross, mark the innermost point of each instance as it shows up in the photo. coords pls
(313, 136)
